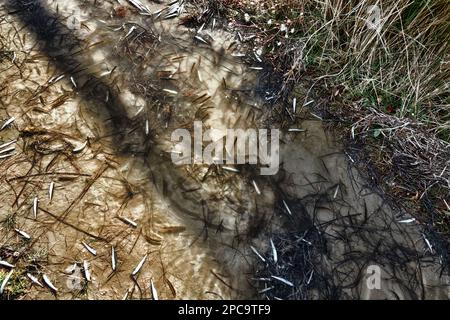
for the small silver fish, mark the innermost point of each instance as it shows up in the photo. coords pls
(154, 292)
(50, 190)
(230, 169)
(7, 123)
(407, 220)
(257, 253)
(283, 280)
(130, 222)
(256, 187)
(80, 147)
(73, 82)
(147, 130)
(34, 279)
(6, 144)
(35, 206)
(87, 272)
(287, 208)
(23, 234)
(308, 103)
(428, 244)
(171, 91)
(336, 192)
(8, 149)
(49, 283)
(266, 290)
(113, 259)
(296, 130)
(6, 155)
(125, 297)
(139, 266)
(6, 264)
(5, 281)
(90, 249)
(201, 39)
(274, 251)
(294, 105)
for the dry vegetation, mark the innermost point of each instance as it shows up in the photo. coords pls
(386, 88)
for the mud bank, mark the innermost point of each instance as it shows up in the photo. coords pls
(122, 83)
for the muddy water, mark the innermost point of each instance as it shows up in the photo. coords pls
(195, 223)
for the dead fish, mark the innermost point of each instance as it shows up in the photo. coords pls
(55, 79)
(49, 283)
(139, 5)
(174, 10)
(50, 190)
(428, 243)
(130, 32)
(283, 280)
(73, 82)
(125, 297)
(154, 292)
(35, 206)
(129, 221)
(306, 241)
(294, 105)
(230, 169)
(147, 130)
(336, 192)
(201, 39)
(256, 187)
(296, 130)
(265, 290)
(7, 144)
(308, 103)
(7, 123)
(139, 266)
(256, 68)
(201, 28)
(240, 37)
(257, 57)
(5, 281)
(257, 253)
(274, 251)
(213, 24)
(287, 208)
(239, 55)
(171, 91)
(34, 279)
(310, 277)
(88, 248)
(6, 264)
(407, 220)
(6, 155)
(80, 147)
(8, 149)
(87, 272)
(23, 234)
(113, 259)
(139, 111)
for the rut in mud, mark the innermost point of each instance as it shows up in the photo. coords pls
(96, 95)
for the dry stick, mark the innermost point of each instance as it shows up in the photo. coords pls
(85, 190)
(73, 226)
